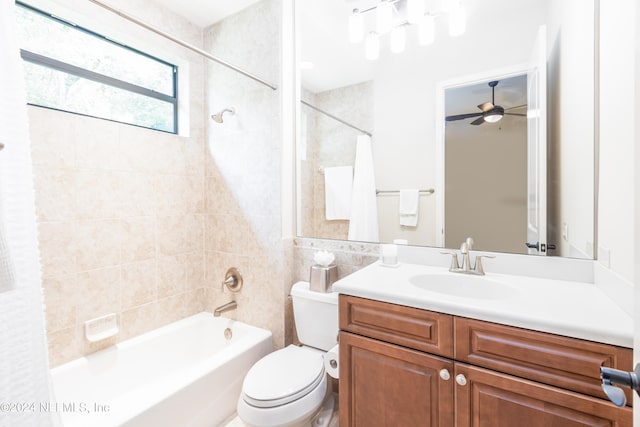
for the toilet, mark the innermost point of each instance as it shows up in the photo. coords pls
(289, 386)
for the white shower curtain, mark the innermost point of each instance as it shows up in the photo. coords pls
(363, 223)
(24, 370)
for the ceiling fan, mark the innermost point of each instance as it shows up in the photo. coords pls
(490, 112)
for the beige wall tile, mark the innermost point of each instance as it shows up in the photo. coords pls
(139, 284)
(138, 241)
(57, 241)
(98, 293)
(55, 193)
(97, 243)
(138, 320)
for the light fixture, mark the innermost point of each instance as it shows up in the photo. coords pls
(384, 17)
(494, 115)
(372, 46)
(398, 39)
(415, 11)
(427, 30)
(457, 21)
(395, 20)
(356, 27)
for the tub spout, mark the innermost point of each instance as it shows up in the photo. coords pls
(226, 307)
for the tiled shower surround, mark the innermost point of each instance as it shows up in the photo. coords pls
(144, 223)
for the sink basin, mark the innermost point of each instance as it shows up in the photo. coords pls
(462, 285)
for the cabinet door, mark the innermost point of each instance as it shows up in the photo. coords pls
(488, 399)
(385, 385)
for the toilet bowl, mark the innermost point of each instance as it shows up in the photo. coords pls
(289, 386)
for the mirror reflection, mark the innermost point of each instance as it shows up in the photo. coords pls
(452, 156)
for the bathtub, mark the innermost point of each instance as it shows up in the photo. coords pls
(185, 374)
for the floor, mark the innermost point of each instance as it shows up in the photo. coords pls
(237, 422)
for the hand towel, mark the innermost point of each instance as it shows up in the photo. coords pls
(363, 225)
(409, 202)
(338, 184)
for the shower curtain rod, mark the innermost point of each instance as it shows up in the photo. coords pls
(334, 117)
(183, 44)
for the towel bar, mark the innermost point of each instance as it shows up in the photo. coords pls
(429, 191)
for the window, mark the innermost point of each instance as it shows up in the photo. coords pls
(70, 68)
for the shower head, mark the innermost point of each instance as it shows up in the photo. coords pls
(218, 117)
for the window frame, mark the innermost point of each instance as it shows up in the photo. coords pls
(100, 78)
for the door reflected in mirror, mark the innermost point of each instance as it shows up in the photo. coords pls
(403, 98)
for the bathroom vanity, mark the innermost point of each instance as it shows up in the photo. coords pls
(464, 362)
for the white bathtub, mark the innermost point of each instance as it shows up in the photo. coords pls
(185, 374)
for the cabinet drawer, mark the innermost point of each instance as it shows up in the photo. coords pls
(569, 363)
(409, 327)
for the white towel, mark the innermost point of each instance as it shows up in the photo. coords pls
(363, 224)
(409, 207)
(338, 184)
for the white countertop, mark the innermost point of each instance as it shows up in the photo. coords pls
(574, 309)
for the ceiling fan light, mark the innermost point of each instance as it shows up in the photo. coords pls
(415, 11)
(356, 27)
(492, 117)
(427, 30)
(457, 21)
(384, 17)
(372, 46)
(398, 39)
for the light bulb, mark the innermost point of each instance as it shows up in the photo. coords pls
(384, 17)
(398, 39)
(457, 21)
(372, 46)
(493, 117)
(415, 11)
(356, 27)
(427, 30)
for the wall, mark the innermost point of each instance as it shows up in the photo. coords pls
(120, 209)
(485, 196)
(616, 212)
(571, 145)
(243, 171)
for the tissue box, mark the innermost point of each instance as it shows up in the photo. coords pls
(323, 277)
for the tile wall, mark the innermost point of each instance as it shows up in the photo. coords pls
(121, 214)
(243, 171)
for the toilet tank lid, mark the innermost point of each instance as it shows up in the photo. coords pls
(301, 290)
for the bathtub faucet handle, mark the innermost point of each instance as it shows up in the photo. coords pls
(232, 280)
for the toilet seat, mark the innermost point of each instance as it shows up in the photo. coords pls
(283, 376)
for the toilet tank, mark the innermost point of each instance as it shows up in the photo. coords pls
(316, 316)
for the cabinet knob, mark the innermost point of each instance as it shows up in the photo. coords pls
(461, 379)
(444, 374)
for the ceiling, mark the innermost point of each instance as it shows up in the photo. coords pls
(324, 43)
(205, 12)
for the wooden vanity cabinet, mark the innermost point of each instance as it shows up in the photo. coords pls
(402, 366)
(390, 385)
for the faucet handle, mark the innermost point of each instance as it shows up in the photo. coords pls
(454, 260)
(469, 242)
(478, 267)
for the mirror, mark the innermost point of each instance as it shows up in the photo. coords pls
(461, 169)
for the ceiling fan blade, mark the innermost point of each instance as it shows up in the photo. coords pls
(515, 114)
(486, 107)
(477, 121)
(516, 107)
(462, 116)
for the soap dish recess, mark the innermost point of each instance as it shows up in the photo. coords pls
(101, 328)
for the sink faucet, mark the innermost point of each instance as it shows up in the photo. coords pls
(465, 249)
(226, 307)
